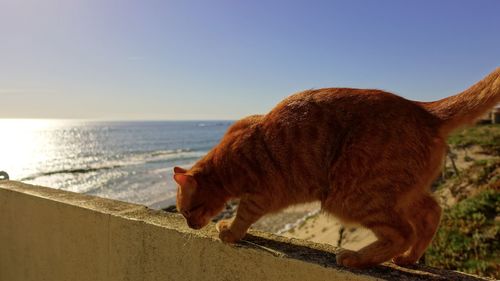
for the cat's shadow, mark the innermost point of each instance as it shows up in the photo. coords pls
(324, 255)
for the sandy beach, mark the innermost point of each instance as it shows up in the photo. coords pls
(309, 223)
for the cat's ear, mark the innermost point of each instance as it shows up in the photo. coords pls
(179, 170)
(185, 181)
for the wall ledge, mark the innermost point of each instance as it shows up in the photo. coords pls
(49, 234)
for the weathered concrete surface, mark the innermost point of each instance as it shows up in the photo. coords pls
(48, 234)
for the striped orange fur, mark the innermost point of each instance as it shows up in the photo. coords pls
(369, 156)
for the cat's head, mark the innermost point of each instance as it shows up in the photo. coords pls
(197, 201)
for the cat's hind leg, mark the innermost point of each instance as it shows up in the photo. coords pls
(424, 216)
(394, 233)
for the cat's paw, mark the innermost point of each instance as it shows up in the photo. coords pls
(349, 258)
(404, 260)
(222, 224)
(225, 234)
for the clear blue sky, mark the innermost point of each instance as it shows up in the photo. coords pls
(119, 59)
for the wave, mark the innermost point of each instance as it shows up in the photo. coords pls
(68, 171)
(170, 152)
(298, 222)
(158, 156)
(164, 156)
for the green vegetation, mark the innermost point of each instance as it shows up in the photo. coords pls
(468, 239)
(469, 236)
(485, 172)
(486, 136)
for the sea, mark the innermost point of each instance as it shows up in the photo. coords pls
(127, 161)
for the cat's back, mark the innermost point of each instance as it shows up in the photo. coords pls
(314, 129)
(316, 126)
(346, 106)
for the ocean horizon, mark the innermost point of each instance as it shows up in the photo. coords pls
(129, 160)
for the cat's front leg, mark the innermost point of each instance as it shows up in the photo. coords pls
(249, 211)
(225, 233)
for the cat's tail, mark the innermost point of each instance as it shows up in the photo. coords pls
(466, 107)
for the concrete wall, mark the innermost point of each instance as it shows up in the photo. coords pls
(48, 234)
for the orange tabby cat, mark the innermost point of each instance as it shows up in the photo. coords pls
(369, 156)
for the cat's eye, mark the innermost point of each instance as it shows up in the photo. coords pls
(187, 213)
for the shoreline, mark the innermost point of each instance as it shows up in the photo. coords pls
(308, 222)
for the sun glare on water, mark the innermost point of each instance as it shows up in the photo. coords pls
(25, 144)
